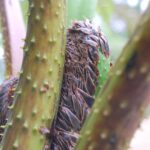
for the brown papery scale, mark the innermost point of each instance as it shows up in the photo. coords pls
(79, 83)
(6, 101)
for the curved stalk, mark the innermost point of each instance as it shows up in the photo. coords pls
(120, 106)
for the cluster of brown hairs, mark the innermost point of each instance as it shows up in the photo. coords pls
(6, 100)
(80, 80)
(79, 84)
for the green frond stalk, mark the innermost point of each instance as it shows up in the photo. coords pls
(38, 91)
(104, 66)
(120, 106)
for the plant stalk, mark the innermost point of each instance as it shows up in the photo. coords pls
(119, 107)
(38, 91)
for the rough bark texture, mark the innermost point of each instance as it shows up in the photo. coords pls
(13, 34)
(119, 108)
(39, 85)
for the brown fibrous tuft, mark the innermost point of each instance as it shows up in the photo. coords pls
(6, 100)
(79, 83)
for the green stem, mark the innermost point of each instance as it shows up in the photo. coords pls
(38, 91)
(120, 106)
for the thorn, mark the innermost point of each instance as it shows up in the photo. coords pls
(19, 116)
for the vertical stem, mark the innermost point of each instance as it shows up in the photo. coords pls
(13, 33)
(38, 91)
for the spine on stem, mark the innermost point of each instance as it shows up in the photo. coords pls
(38, 89)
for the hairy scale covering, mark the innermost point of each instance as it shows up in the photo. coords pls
(6, 100)
(79, 83)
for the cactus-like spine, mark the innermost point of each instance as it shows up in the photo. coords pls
(120, 106)
(38, 89)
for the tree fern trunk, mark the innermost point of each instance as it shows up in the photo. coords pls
(39, 86)
(120, 106)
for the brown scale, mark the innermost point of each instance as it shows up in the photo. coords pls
(79, 84)
(6, 99)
